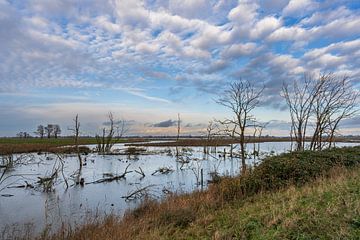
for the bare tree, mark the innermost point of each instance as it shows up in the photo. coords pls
(76, 132)
(242, 97)
(258, 129)
(49, 130)
(336, 101)
(121, 128)
(322, 102)
(209, 134)
(178, 134)
(56, 130)
(300, 99)
(105, 142)
(40, 131)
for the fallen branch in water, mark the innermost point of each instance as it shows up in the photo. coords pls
(111, 177)
(139, 193)
(163, 170)
(141, 172)
(27, 185)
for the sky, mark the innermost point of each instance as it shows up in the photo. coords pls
(146, 61)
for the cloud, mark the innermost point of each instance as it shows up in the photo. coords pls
(299, 7)
(238, 50)
(169, 53)
(165, 124)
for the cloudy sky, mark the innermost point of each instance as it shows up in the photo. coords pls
(148, 60)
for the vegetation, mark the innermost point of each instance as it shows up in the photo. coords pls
(241, 98)
(324, 102)
(22, 145)
(302, 195)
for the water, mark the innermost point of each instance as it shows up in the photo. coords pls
(19, 206)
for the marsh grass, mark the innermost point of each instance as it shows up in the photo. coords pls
(27, 145)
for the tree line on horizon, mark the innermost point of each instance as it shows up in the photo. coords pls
(48, 131)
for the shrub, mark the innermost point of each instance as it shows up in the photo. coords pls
(296, 168)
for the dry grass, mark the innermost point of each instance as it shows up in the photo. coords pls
(20, 145)
(219, 141)
(328, 208)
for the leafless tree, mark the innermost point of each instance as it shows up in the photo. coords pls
(178, 133)
(40, 131)
(105, 142)
(49, 130)
(76, 132)
(300, 99)
(209, 134)
(258, 129)
(241, 97)
(56, 130)
(322, 102)
(121, 128)
(335, 101)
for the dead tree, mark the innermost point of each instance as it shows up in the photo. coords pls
(258, 129)
(228, 129)
(106, 141)
(300, 98)
(241, 97)
(76, 132)
(209, 134)
(336, 101)
(178, 134)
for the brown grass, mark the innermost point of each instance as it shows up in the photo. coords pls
(200, 142)
(204, 215)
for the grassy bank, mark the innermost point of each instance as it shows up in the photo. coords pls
(26, 145)
(310, 195)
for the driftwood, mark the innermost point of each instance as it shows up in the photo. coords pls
(163, 170)
(47, 179)
(139, 193)
(111, 177)
(26, 185)
(47, 182)
(7, 195)
(141, 172)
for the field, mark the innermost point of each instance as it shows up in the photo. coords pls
(27, 145)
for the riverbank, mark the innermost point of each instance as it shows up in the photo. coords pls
(29, 145)
(309, 195)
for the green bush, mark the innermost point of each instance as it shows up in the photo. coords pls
(296, 168)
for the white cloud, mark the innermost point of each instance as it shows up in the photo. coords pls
(324, 17)
(190, 8)
(265, 26)
(101, 44)
(244, 13)
(292, 33)
(299, 7)
(238, 50)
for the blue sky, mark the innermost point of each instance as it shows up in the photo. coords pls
(146, 61)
